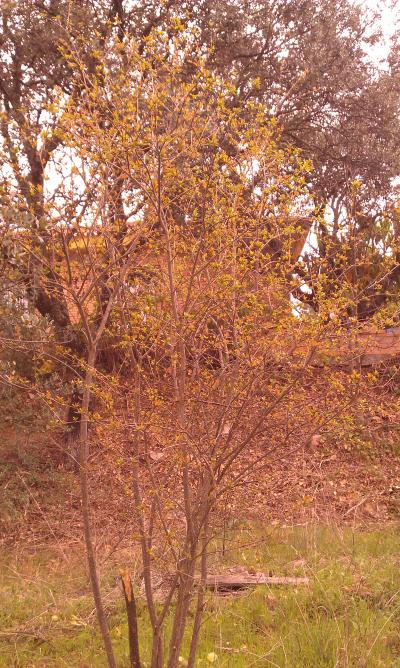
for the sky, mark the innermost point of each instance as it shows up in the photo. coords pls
(390, 21)
(388, 8)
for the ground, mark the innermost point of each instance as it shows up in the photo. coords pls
(349, 616)
(330, 514)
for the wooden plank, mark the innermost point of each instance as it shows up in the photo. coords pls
(242, 580)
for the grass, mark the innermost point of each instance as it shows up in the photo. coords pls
(348, 617)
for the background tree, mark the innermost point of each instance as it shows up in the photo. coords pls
(307, 63)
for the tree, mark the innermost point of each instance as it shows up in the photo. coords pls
(203, 315)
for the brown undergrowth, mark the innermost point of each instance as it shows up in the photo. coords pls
(327, 481)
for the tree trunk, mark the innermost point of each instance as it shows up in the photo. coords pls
(182, 606)
(200, 595)
(90, 553)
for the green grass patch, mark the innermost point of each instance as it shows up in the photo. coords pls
(349, 616)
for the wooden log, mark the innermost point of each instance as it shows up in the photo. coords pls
(237, 581)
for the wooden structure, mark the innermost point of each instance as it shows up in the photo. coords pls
(376, 347)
